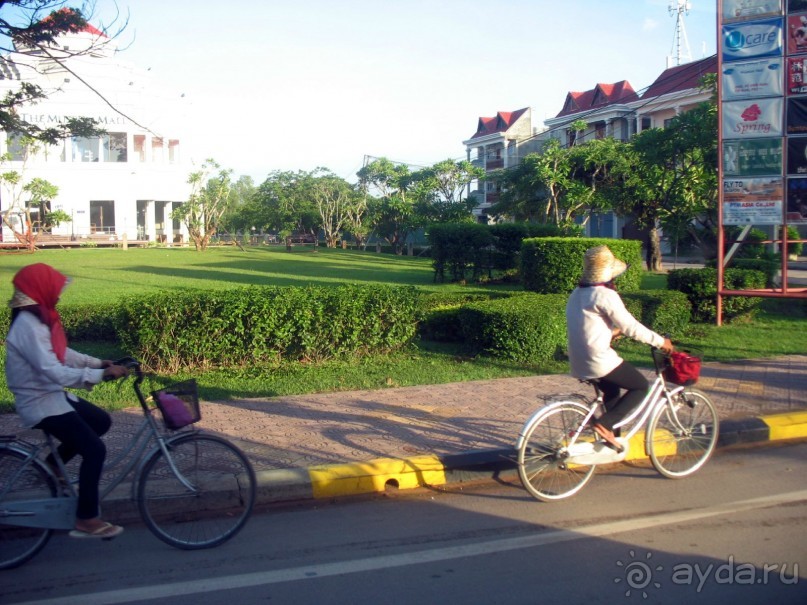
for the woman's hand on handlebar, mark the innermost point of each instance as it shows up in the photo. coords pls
(112, 371)
(667, 347)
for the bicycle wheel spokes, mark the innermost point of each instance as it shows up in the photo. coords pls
(682, 436)
(209, 504)
(18, 544)
(543, 458)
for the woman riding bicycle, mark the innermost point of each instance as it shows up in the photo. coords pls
(39, 365)
(595, 315)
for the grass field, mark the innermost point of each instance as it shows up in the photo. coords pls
(108, 274)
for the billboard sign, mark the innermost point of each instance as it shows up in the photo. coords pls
(752, 157)
(746, 79)
(749, 40)
(752, 118)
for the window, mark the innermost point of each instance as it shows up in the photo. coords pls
(173, 151)
(139, 142)
(84, 149)
(646, 123)
(15, 146)
(157, 149)
(599, 130)
(113, 147)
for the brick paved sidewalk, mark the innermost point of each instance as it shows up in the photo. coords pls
(353, 426)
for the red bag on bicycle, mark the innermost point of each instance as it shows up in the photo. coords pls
(683, 368)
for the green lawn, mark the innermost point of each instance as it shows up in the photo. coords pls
(107, 274)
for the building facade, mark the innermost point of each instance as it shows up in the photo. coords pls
(122, 184)
(608, 110)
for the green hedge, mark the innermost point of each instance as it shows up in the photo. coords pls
(664, 311)
(459, 249)
(554, 264)
(94, 322)
(700, 287)
(240, 326)
(528, 328)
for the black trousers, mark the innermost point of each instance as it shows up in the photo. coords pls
(617, 405)
(79, 433)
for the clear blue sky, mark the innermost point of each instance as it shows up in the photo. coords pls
(296, 84)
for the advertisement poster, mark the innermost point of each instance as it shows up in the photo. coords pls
(797, 200)
(753, 157)
(752, 201)
(797, 155)
(796, 34)
(752, 39)
(750, 9)
(797, 115)
(796, 75)
(759, 78)
(753, 118)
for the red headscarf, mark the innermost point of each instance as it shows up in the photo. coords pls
(44, 284)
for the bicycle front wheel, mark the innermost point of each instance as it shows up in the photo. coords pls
(27, 482)
(204, 500)
(543, 457)
(682, 433)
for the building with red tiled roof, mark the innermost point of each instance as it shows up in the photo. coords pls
(493, 146)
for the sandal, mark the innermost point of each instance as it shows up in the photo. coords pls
(608, 437)
(106, 531)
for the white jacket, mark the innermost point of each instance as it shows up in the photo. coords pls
(591, 314)
(35, 375)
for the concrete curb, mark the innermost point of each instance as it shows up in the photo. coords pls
(361, 478)
(376, 476)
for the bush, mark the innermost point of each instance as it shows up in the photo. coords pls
(796, 248)
(768, 265)
(458, 248)
(242, 326)
(554, 264)
(530, 328)
(663, 311)
(81, 322)
(700, 287)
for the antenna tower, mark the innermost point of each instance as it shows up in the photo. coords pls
(680, 49)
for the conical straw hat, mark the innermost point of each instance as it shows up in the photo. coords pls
(601, 266)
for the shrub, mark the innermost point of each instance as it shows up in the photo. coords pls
(768, 265)
(529, 328)
(554, 264)
(458, 248)
(700, 287)
(81, 322)
(795, 248)
(240, 326)
(663, 311)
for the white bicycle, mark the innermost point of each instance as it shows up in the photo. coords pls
(558, 450)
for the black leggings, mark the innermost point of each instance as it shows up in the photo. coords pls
(617, 407)
(79, 433)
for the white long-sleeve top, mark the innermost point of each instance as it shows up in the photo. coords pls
(37, 378)
(591, 314)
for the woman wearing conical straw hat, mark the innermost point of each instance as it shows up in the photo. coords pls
(595, 315)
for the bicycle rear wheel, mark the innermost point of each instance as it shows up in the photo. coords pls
(543, 457)
(682, 434)
(30, 482)
(215, 504)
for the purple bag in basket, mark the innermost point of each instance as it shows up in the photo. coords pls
(175, 412)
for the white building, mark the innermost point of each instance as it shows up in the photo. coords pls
(123, 183)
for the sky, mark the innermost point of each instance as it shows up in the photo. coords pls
(295, 85)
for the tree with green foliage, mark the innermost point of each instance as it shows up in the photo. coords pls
(392, 213)
(670, 177)
(337, 202)
(283, 203)
(439, 191)
(208, 201)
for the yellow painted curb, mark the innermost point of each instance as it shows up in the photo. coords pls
(368, 477)
(786, 426)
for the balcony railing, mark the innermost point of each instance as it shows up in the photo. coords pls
(494, 163)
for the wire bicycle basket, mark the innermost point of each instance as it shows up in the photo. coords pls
(178, 404)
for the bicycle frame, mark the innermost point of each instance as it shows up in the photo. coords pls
(60, 512)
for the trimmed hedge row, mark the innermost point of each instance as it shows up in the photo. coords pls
(266, 324)
(531, 327)
(553, 265)
(81, 322)
(700, 287)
